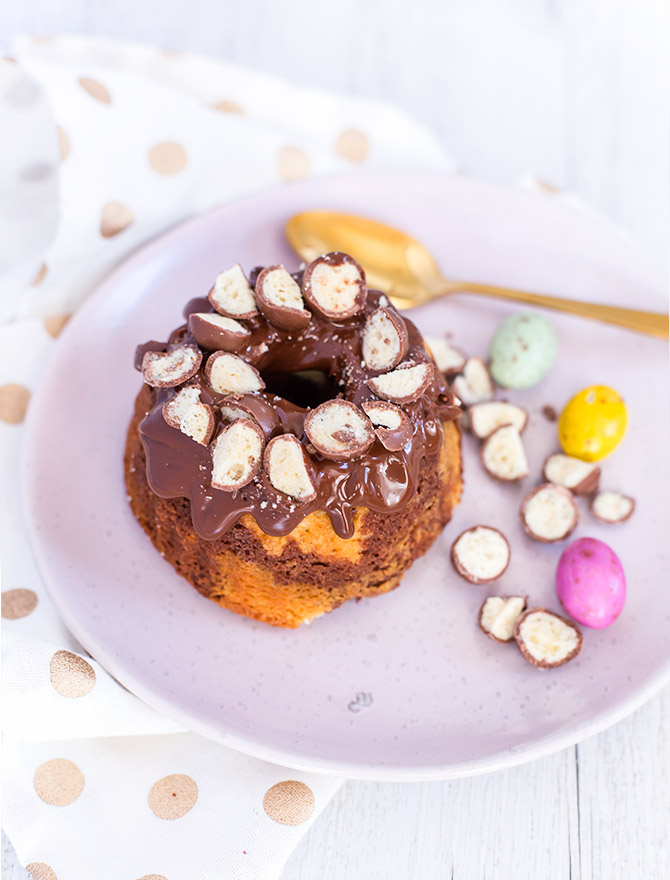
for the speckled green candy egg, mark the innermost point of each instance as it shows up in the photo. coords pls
(522, 350)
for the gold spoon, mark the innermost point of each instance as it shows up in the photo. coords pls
(406, 271)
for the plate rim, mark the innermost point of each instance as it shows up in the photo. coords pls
(247, 744)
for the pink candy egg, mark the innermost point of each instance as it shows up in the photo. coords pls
(590, 583)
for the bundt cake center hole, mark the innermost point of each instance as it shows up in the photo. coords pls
(305, 388)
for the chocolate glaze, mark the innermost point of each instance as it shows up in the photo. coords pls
(379, 480)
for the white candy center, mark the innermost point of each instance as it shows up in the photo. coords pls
(445, 356)
(381, 344)
(550, 514)
(504, 454)
(547, 638)
(235, 455)
(232, 292)
(287, 470)
(499, 616)
(563, 470)
(486, 417)
(482, 552)
(335, 288)
(612, 506)
(280, 289)
(232, 375)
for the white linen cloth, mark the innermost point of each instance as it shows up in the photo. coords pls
(103, 146)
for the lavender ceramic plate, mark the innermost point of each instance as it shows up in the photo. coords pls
(403, 686)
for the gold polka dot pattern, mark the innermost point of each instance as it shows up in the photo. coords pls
(289, 803)
(115, 218)
(54, 325)
(292, 163)
(58, 782)
(352, 145)
(173, 796)
(95, 89)
(40, 276)
(168, 157)
(71, 675)
(18, 603)
(229, 107)
(40, 871)
(13, 403)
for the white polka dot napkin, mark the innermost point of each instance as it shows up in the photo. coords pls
(109, 144)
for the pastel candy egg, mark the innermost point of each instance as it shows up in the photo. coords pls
(522, 350)
(590, 583)
(593, 423)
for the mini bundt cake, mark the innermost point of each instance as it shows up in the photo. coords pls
(294, 445)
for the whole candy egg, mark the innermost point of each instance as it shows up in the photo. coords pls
(592, 423)
(590, 583)
(522, 350)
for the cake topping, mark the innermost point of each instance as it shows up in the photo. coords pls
(480, 554)
(218, 333)
(448, 359)
(498, 616)
(487, 416)
(236, 455)
(549, 513)
(475, 383)
(280, 300)
(503, 455)
(167, 369)
(581, 477)
(288, 469)
(384, 340)
(612, 507)
(545, 639)
(339, 430)
(301, 370)
(393, 428)
(188, 414)
(403, 385)
(334, 286)
(229, 374)
(232, 295)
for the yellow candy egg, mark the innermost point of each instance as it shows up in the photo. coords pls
(592, 423)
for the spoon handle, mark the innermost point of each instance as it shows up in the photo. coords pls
(651, 323)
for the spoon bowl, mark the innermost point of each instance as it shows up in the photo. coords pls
(407, 272)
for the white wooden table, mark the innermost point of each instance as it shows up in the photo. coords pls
(576, 92)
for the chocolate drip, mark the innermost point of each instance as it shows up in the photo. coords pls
(379, 480)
